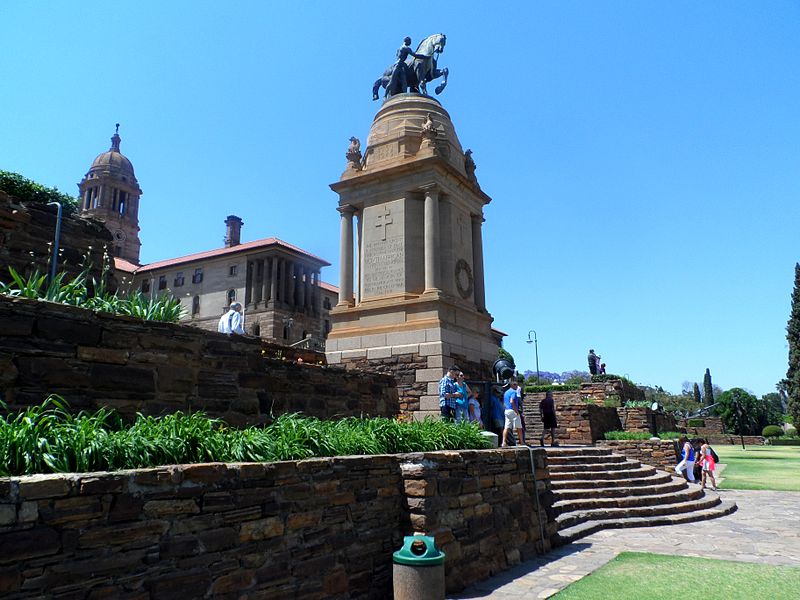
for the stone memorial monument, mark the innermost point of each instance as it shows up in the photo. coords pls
(411, 298)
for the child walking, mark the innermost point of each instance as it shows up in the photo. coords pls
(709, 464)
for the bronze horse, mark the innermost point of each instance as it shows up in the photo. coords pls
(419, 71)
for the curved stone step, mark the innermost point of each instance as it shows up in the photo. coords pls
(570, 534)
(589, 459)
(577, 451)
(670, 485)
(631, 474)
(670, 497)
(655, 477)
(603, 514)
(594, 467)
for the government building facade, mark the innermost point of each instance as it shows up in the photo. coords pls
(279, 285)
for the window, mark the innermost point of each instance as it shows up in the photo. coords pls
(195, 305)
(285, 332)
(327, 327)
(114, 198)
(305, 335)
(162, 282)
(326, 303)
(257, 329)
(231, 296)
(198, 275)
(178, 279)
(145, 286)
(232, 270)
(123, 202)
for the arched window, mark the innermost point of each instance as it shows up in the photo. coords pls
(257, 329)
(231, 296)
(195, 305)
(285, 332)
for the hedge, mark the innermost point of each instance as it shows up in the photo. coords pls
(696, 423)
(533, 389)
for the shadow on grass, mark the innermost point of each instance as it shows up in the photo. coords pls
(487, 587)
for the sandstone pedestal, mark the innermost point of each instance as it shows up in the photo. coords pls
(417, 302)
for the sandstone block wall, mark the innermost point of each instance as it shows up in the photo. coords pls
(98, 359)
(578, 422)
(641, 419)
(312, 529)
(662, 454)
(613, 390)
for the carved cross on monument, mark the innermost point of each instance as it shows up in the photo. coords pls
(384, 221)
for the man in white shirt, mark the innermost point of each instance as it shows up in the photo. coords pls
(233, 320)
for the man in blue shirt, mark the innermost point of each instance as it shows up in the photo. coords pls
(512, 409)
(448, 393)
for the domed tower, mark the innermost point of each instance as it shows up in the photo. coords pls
(110, 193)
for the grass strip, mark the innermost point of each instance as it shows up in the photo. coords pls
(760, 467)
(637, 575)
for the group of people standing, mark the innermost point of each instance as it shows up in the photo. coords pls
(596, 367)
(697, 452)
(458, 403)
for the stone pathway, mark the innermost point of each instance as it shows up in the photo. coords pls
(763, 530)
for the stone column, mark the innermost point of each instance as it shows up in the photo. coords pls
(317, 295)
(346, 257)
(267, 280)
(273, 281)
(477, 262)
(248, 283)
(359, 256)
(431, 239)
(279, 281)
(301, 288)
(258, 283)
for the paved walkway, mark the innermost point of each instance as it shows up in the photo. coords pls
(763, 530)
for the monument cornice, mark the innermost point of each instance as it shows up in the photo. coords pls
(408, 167)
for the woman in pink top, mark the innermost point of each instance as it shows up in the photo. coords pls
(709, 464)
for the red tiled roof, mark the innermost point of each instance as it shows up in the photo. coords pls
(329, 287)
(120, 264)
(225, 251)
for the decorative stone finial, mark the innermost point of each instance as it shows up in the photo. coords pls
(469, 166)
(353, 154)
(115, 140)
(429, 132)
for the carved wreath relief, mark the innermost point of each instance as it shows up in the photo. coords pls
(464, 279)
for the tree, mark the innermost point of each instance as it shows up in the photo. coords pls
(755, 414)
(793, 337)
(708, 389)
(696, 392)
(503, 353)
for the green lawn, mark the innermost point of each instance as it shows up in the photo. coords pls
(760, 467)
(641, 576)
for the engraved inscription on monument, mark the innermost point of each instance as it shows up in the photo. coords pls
(384, 266)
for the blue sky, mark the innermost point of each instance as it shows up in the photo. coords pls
(642, 156)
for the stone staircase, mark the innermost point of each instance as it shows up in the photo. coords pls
(596, 489)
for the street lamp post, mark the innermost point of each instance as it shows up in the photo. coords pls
(56, 241)
(535, 343)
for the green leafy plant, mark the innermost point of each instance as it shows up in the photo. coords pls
(48, 438)
(627, 435)
(671, 435)
(638, 404)
(772, 431)
(77, 292)
(696, 423)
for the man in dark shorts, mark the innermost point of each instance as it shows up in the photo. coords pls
(449, 393)
(547, 408)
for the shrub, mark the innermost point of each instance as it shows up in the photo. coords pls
(534, 389)
(48, 438)
(783, 441)
(611, 401)
(696, 423)
(627, 435)
(25, 190)
(772, 431)
(638, 404)
(670, 435)
(611, 377)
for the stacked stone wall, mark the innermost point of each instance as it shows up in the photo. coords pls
(98, 359)
(578, 422)
(321, 528)
(713, 426)
(26, 234)
(641, 419)
(614, 390)
(662, 454)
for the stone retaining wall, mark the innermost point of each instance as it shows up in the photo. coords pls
(713, 426)
(614, 390)
(749, 440)
(578, 422)
(320, 528)
(641, 419)
(661, 454)
(98, 359)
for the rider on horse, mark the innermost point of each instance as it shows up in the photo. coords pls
(401, 67)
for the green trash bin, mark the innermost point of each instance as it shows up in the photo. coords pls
(418, 570)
